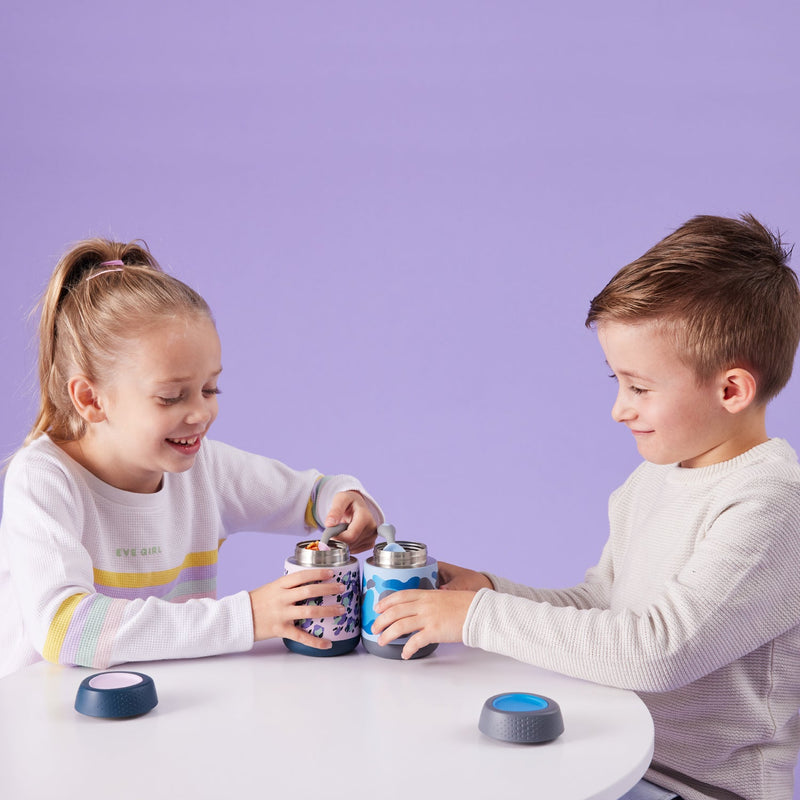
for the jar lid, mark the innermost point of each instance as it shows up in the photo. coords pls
(116, 694)
(521, 717)
(413, 554)
(338, 554)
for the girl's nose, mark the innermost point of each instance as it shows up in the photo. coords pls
(200, 413)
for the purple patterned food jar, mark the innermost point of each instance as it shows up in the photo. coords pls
(343, 631)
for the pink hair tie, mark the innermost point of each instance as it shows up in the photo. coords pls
(117, 267)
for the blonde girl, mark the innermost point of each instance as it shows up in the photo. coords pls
(115, 507)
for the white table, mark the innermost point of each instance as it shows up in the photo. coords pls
(271, 724)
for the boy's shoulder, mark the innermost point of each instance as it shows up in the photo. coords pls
(770, 465)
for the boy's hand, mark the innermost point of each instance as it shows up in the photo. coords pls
(455, 578)
(275, 606)
(352, 508)
(431, 615)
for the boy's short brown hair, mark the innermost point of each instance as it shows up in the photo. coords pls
(723, 290)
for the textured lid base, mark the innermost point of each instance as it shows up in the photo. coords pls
(521, 717)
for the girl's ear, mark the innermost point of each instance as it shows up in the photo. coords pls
(86, 399)
(739, 389)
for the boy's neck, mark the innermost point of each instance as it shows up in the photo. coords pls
(747, 430)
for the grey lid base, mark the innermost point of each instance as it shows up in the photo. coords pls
(522, 727)
(395, 650)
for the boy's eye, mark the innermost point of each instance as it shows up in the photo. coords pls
(634, 389)
(169, 401)
(212, 392)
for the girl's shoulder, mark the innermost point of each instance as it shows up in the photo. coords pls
(42, 454)
(42, 469)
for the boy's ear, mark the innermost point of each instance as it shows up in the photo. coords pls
(86, 399)
(739, 389)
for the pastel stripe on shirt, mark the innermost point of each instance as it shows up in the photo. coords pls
(83, 629)
(311, 519)
(195, 578)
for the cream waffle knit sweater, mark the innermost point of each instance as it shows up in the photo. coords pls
(695, 605)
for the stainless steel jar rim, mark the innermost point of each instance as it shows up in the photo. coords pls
(338, 554)
(414, 554)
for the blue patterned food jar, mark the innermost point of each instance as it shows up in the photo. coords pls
(388, 571)
(343, 631)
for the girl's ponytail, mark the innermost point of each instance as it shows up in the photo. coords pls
(83, 314)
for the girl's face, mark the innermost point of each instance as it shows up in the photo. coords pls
(158, 406)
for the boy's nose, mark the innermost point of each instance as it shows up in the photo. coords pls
(621, 411)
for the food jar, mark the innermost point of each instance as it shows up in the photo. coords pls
(387, 571)
(342, 631)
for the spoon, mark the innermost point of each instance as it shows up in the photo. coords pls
(328, 533)
(388, 532)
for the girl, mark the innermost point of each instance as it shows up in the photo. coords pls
(115, 507)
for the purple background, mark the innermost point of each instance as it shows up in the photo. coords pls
(399, 213)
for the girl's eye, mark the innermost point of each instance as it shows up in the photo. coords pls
(171, 401)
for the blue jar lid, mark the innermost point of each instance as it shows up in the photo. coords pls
(521, 717)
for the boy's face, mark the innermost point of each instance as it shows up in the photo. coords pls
(673, 418)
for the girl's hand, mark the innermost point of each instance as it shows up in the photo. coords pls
(275, 606)
(352, 508)
(430, 614)
(452, 577)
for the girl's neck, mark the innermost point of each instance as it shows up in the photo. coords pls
(81, 452)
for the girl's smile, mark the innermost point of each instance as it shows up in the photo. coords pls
(189, 447)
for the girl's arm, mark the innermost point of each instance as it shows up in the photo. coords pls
(261, 494)
(102, 580)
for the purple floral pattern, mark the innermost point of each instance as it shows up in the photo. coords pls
(347, 625)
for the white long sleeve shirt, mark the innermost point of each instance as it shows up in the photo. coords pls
(96, 576)
(695, 604)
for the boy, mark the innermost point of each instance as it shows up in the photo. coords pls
(695, 603)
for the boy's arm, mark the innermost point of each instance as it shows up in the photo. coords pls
(593, 592)
(739, 590)
(440, 616)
